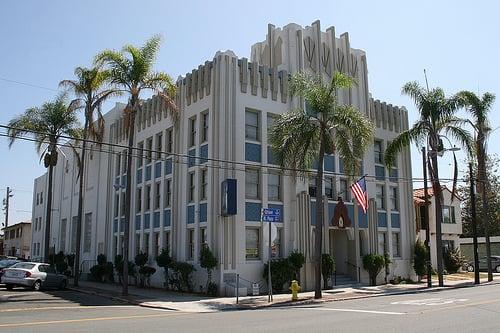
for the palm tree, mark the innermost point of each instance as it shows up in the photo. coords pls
(47, 125)
(131, 70)
(437, 121)
(302, 136)
(479, 107)
(89, 89)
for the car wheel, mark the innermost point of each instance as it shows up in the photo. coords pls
(497, 269)
(37, 285)
(63, 284)
(470, 268)
(9, 286)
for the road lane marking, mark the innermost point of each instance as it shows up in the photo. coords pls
(88, 319)
(462, 305)
(353, 310)
(65, 307)
(430, 301)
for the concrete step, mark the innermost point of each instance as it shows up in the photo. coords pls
(344, 280)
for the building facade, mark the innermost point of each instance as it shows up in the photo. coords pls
(451, 227)
(17, 240)
(226, 107)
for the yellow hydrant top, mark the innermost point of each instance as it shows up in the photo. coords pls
(295, 288)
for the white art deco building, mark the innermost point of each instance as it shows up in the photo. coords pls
(226, 107)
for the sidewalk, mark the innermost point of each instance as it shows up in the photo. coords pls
(158, 298)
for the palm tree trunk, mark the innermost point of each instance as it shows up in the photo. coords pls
(128, 194)
(81, 170)
(438, 198)
(49, 211)
(483, 184)
(319, 220)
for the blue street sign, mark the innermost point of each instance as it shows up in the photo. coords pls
(270, 214)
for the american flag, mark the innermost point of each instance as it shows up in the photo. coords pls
(358, 190)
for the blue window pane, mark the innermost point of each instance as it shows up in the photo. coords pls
(168, 166)
(252, 211)
(115, 225)
(203, 212)
(147, 221)
(252, 152)
(271, 158)
(341, 165)
(190, 214)
(204, 154)
(157, 169)
(350, 213)
(156, 220)
(393, 175)
(192, 158)
(363, 219)
(282, 211)
(122, 224)
(382, 219)
(379, 172)
(330, 163)
(138, 222)
(395, 220)
(331, 209)
(148, 172)
(166, 217)
(313, 212)
(139, 176)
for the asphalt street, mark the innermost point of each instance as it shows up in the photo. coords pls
(475, 309)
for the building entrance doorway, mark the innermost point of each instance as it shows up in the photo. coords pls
(343, 249)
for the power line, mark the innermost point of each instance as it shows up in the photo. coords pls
(154, 152)
(27, 84)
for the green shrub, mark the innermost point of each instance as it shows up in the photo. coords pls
(282, 272)
(212, 289)
(297, 260)
(118, 265)
(97, 272)
(207, 261)
(165, 261)
(373, 264)
(182, 275)
(61, 267)
(327, 268)
(101, 259)
(141, 259)
(420, 256)
(453, 260)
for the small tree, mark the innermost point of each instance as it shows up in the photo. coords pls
(373, 264)
(420, 256)
(327, 268)
(182, 275)
(207, 261)
(165, 261)
(297, 260)
(453, 260)
(141, 259)
(281, 272)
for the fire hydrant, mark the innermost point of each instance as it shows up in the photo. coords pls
(295, 288)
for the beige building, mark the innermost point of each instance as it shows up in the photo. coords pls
(17, 240)
(451, 227)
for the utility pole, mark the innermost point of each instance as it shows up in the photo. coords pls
(426, 220)
(6, 205)
(474, 224)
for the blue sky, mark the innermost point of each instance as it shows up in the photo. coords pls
(43, 41)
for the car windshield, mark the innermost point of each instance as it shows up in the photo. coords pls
(7, 263)
(23, 265)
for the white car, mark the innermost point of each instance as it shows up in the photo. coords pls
(33, 275)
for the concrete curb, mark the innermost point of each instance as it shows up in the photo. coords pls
(309, 301)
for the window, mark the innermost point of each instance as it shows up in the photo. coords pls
(312, 187)
(87, 233)
(169, 140)
(203, 184)
(252, 184)
(140, 154)
(449, 214)
(122, 204)
(203, 237)
(147, 198)
(137, 244)
(252, 125)
(344, 191)
(191, 186)
(38, 198)
(276, 246)
(377, 151)
(138, 200)
(190, 244)
(394, 198)
(166, 240)
(146, 244)
(156, 244)
(149, 148)
(204, 127)
(380, 196)
(157, 196)
(448, 245)
(396, 245)
(62, 242)
(41, 198)
(124, 161)
(117, 205)
(271, 119)
(168, 192)
(192, 131)
(118, 162)
(159, 144)
(74, 224)
(382, 243)
(329, 188)
(274, 186)
(252, 241)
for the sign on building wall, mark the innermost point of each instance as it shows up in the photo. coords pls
(228, 197)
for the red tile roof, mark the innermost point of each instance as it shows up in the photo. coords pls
(418, 194)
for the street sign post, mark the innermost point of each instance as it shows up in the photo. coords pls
(270, 215)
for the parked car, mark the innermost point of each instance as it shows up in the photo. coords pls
(33, 275)
(483, 264)
(6, 263)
